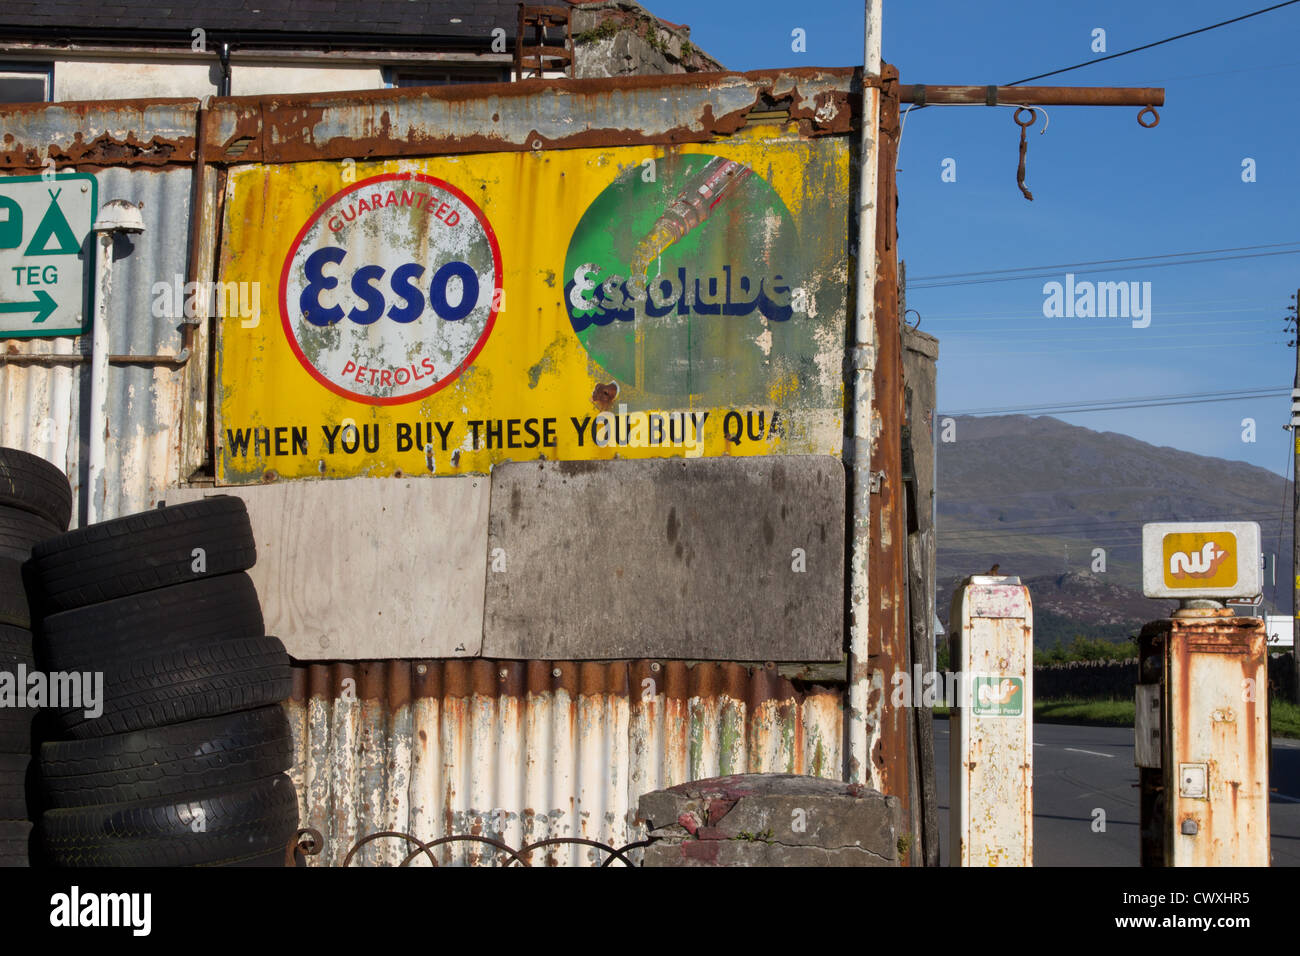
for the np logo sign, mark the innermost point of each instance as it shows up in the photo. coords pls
(1211, 560)
(389, 291)
(999, 697)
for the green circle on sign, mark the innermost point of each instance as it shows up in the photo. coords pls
(681, 277)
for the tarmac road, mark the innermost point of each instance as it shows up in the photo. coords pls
(1078, 770)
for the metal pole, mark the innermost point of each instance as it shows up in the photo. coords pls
(1295, 520)
(866, 687)
(922, 95)
(95, 492)
(115, 216)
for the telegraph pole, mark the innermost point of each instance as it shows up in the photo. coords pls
(1295, 504)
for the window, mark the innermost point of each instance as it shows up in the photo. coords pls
(403, 76)
(26, 82)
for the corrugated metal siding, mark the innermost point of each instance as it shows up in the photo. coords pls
(523, 751)
(45, 410)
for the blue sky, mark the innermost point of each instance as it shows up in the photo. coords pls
(1104, 188)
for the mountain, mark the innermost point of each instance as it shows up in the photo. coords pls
(1063, 507)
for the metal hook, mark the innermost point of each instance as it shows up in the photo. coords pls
(1155, 117)
(1024, 145)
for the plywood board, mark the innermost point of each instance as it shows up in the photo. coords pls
(367, 568)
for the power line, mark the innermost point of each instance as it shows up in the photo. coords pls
(1081, 524)
(1137, 401)
(1117, 536)
(1105, 262)
(1076, 492)
(1236, 298)
(1008, 353)
(1031, 318)
(1067, 333)
(1148, 46)
(1249, 69)
(1144, 265)
(1136, 49)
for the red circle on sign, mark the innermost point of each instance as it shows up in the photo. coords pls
(465, 363)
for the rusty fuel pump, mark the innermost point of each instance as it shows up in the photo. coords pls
(1201, 728)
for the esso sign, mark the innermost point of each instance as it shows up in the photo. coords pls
(389, 291)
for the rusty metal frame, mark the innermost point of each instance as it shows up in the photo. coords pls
(923, 95)
(888, 637)
(522, 116)
(539, 53)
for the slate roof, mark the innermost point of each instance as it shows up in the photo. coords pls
(420, 23)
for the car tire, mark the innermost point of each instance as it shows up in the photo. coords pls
(16, 732)
(142, 552)
(15, 843)
(166, 762)
(32, 484)
(99, 635)
(14, 779)
(15, 646)
(202, 680)
(20, 530)
(216, 828)
(271, 858)
(15, 610)
(16, 722)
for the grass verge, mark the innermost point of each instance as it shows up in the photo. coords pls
(1119, 713)
(1099, 713)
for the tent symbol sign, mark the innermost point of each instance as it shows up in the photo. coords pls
(44, 231)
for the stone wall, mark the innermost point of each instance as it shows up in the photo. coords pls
(622, 38)
(776, 819)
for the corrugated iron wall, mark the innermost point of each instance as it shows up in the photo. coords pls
(44, 408)
(520, 751)
(524, 751)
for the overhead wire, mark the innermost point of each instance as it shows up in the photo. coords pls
(1102, 262)
(1155, 43)
(917, 284)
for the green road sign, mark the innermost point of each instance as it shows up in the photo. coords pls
(44, 251)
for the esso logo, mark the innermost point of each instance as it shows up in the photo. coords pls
(389, 291)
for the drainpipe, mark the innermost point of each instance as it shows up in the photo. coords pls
(224, 55)
(115, 216)
(866, 685)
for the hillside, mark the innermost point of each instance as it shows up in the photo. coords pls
(1038, 496)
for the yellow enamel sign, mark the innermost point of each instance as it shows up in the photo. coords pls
(1199, 560)
(440, 315)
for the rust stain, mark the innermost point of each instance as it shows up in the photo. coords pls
(75, 146)
(604, 394)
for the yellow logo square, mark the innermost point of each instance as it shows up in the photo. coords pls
(1200, 560)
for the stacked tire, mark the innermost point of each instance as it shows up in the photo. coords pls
(181, 760)
(35, 504)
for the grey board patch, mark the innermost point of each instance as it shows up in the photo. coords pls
(710, 558)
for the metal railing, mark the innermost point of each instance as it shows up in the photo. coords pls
(310, 842)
